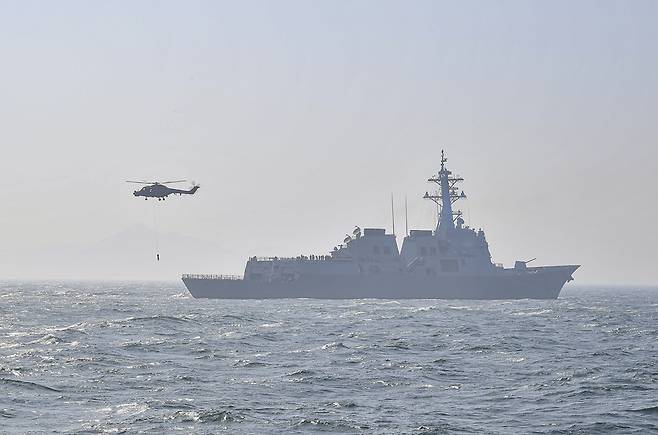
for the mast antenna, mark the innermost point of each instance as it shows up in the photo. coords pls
(392, 214)
(406, 217)
(446, 196)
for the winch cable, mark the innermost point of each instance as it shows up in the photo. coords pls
(155, 230)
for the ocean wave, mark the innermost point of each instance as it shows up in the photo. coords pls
(5, 413)
(76, 327)
(238, 318)
(208, 416)
(423, 309)
(27, 385)
(47, 339)
(301, 372)
(156, 318)
(463, 307)
(343, 404)
(16, 371)
(331, 425)
(333, 346)
(398, 344)
(249, 364)
(478, 348)
(648, 410)
(597, 428)
(532, 312)
(131, 409)
(178, 404)
(147, 344)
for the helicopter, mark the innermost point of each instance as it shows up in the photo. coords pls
(160, 190)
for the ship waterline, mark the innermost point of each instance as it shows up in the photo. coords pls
(451, 262)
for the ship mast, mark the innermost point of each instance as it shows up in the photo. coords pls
(445, 197)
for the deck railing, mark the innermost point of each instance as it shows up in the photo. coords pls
(209, 276)
(298, 258)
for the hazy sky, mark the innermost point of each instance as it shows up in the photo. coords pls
(299, 119)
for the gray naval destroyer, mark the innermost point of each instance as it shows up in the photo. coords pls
(451, 262)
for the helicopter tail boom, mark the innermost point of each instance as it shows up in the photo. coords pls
(192, 191)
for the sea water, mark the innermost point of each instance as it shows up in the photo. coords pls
(85, 357)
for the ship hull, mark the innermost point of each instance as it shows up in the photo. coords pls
(532, 283)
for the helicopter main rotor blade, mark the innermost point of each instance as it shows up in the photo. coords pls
(175, 181)
(140, 182)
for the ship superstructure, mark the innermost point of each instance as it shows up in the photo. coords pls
(451, 261)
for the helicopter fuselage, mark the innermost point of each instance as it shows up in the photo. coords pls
(161, 191)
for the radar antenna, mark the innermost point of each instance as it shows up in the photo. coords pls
(445, 196)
